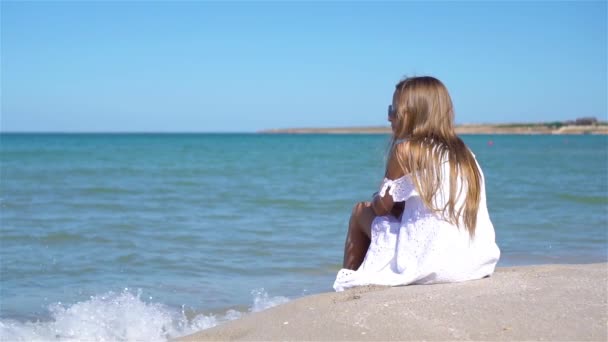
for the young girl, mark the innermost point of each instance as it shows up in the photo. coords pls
(429, 222)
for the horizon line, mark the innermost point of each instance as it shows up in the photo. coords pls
(272, 130)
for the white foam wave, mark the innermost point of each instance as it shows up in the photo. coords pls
(122, 317)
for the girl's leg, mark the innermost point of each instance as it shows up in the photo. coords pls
(358, 236)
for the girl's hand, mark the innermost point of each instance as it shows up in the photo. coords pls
(397, 209)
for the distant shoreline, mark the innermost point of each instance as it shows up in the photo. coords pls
(523, 129)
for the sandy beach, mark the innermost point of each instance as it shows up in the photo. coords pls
(547, 302)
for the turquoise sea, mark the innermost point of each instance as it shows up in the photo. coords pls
(152, 236)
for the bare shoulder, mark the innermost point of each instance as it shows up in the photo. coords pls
(397, 166)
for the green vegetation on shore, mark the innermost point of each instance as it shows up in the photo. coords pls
(578, 126)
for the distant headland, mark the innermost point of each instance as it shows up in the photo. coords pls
(578, 126)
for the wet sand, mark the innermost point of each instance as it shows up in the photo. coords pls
(547, 302)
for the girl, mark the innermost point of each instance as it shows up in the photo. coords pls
(429, 222)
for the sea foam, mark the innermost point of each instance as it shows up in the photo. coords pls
(122, 316)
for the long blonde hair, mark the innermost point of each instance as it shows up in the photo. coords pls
(424, 117)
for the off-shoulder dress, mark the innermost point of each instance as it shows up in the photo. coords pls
(420, 246)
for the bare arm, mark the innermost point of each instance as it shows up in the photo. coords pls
(382, 205)
(385, 205)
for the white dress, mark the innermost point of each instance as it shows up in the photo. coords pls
(421, 247)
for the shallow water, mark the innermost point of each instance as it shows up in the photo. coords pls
(191, 224)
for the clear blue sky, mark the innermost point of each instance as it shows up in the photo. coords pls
(207, 66)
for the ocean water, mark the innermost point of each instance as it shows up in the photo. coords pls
(153, 236)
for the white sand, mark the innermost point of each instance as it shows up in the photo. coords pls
(549, 302)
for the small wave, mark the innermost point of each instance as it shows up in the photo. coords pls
(121, 227)
(61, 237)
(64, 238)
(125, 259)
(585, 199)
(122, 317)
(186, 183)
(17, 237)
(101, 206)
(284, 203)
(106, 190)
